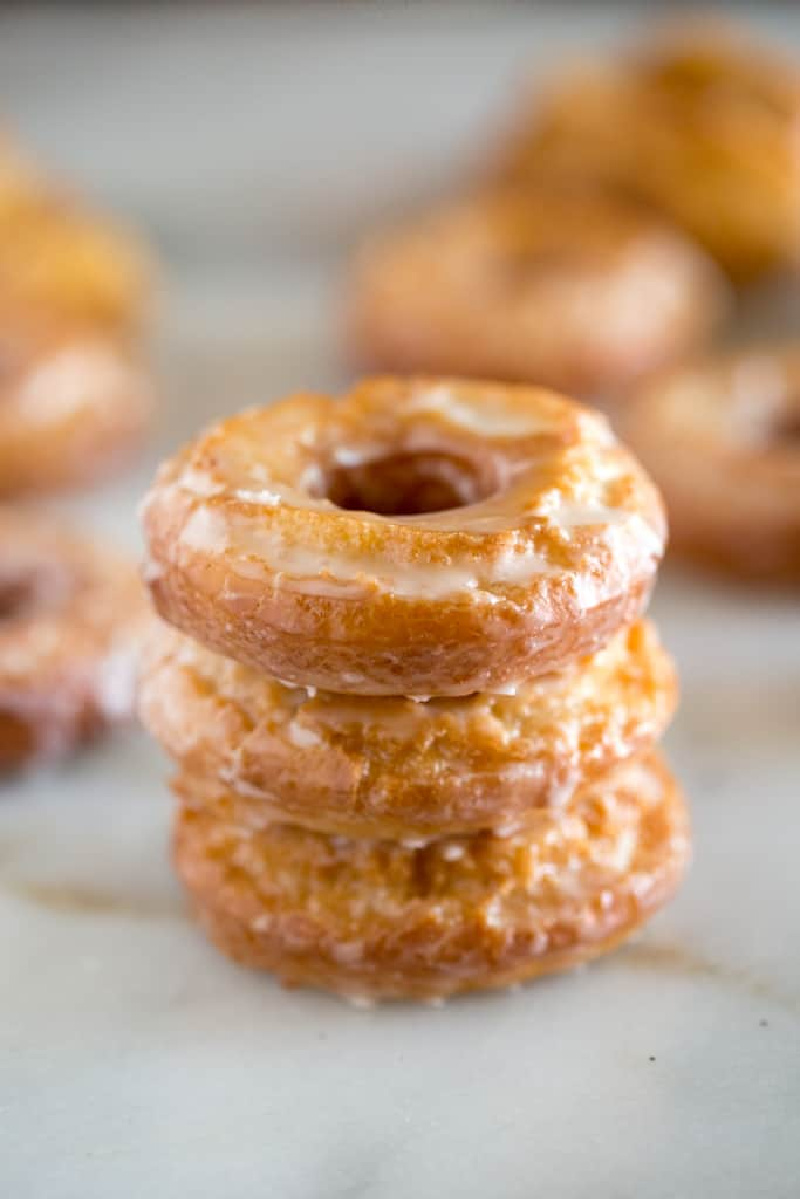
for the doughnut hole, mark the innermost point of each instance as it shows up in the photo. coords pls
(410, 484)
(17, 597)
(786, 430)
(17, 740)
(31, 591)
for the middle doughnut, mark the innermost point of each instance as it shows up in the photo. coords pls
(419, 537)
(389, 767)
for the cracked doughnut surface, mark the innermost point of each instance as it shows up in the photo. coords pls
(381, 920)
(389, 767)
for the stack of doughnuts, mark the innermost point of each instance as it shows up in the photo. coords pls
(403, 673)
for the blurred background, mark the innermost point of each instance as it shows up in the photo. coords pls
(237, 133)
(253, 143)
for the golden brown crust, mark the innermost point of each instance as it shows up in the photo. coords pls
(390, 767)
(71, 616)
(73, 404)
(381, 920)
(59, 261)
(700, 123)
(548, 546)
(574, 291)
(723, 440)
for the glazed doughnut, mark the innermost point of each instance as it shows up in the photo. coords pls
(390, 767)
(70, 619)
(59, 261)
(383, 920)
(73, 405)
(723, 440)
(700, 123)
(418, 537)
(576, 292)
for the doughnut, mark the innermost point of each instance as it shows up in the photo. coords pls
(390, 767)
(74, 404)
(70, 618)
(698, 122)
(580, 293)
(59, 260)
(419, 537)
(384, 920)
(722, 437)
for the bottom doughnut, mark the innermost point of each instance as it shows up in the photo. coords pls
(390, 920)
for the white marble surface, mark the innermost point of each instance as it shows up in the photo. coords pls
(133, 1060)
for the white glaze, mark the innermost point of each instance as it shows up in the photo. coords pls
(302, 737)
(577, 516)
(357, 455)
(199, 482)
(116, 687)
(206, 531)
(298, 568)
(491, 417)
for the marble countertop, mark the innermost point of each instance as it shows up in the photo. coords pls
(134, 1060)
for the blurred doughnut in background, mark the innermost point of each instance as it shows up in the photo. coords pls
(697, 121)
(75, 403)
(59, 260)
(71, 614)
(641, 210)
(575, 290)
(76, 399)
(722, 439)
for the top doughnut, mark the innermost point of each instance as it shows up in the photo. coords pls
(419, 537)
